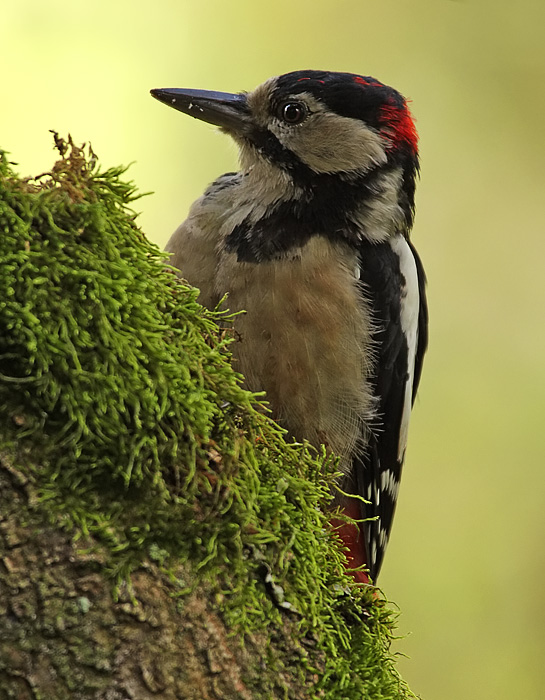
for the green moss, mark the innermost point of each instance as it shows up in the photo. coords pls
(119, 384)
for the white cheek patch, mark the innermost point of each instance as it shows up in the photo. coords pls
(327, 142)
(410, 304)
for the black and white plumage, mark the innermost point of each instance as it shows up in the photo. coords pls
(311, 238)
(394, 281)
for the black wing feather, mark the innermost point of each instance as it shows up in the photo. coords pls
(378, 471)
(422, 321)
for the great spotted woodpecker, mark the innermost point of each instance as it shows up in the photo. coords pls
(311, 239)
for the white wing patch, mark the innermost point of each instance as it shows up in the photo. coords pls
(410, 303)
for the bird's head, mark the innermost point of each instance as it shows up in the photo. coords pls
(321, 121)
(333, 136)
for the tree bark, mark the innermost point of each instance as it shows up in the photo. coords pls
(65, 635)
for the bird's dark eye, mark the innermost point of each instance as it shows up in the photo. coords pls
(293, 112)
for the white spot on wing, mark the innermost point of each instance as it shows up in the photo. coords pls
(410, 303)
(389, 484)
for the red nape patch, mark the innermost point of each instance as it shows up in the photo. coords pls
(398, 126)
(352, 539)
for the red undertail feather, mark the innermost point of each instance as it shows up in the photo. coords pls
(353, 540)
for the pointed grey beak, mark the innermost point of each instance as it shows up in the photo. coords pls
(220, 108)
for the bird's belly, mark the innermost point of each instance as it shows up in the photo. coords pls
(305, 339)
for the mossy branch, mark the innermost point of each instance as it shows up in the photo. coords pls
(128, 440)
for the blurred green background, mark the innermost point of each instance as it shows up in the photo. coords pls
(466, 563)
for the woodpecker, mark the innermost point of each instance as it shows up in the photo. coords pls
(311, 239)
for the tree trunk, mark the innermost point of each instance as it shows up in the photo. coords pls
(65, 636)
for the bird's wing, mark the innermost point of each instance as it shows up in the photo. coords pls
(193, 246)
(393, 283)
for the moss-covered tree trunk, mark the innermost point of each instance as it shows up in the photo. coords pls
(158, 536)
(65, 635)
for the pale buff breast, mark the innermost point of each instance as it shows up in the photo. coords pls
(305, 340)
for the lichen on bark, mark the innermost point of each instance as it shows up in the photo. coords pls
(159, 535)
